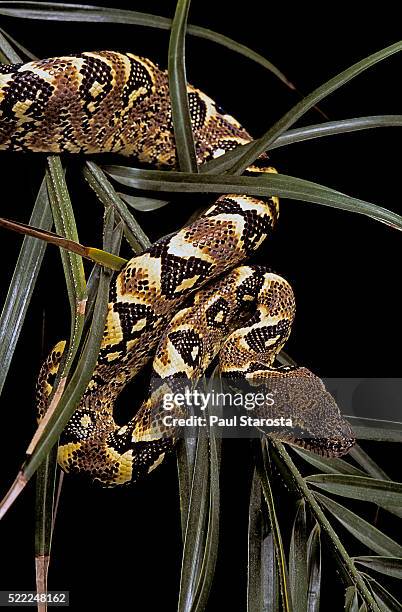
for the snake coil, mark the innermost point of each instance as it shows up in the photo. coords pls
(109, 102)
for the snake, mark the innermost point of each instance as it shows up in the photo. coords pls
(188, 299)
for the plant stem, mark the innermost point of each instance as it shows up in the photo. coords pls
(326, 526)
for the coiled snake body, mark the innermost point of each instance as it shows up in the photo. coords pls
(112, 102)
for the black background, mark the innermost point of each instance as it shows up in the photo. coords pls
(122, 547)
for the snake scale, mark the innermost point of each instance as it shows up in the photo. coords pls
(163, 304)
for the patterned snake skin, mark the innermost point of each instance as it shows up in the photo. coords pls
(101, 102)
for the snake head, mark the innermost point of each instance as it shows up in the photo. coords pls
(317, 423)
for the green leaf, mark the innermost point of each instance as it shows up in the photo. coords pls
(329, 466)
(9, 55)
(194, 542)
(298, 484)
(331, 128)
(365, 532)
(255, 536)
(202, 519)
(384, 493)
(63, 216)
(183, 133)
(263, 185)
(71, 396)
(254, 594)
(28, 264)
(23, 283)
(298, 559)
(351, 600)
(108, 260)
(79, 380)
(384, 598)
(212, 536)
(13, 315)
(263, 471)
(261, 145)
(269, 575)
(52, 11)
(113, 238)
(97, 180)
(284, 359)
(309, 132)
(263, 592)
(45, 487)
(314, 569)
(391, 566)
(141, 203)
(45, 509)
(44, 517)
(185, 457)
(17, 45)
(367, 463)
(376, 429)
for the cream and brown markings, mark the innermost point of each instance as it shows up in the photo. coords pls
(97, 102)
(189, 344)
(263, 304)
(88, 102)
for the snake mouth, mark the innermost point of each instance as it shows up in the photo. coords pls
(329, 447)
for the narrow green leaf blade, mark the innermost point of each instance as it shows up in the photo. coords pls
(201, 524)
(332, 128)
(52, 11)
(142, 204)
(104, 190)
(78, 383)
(263, 589)
(71, 396)
(367, 463)
(73, 266)
(270, 575)
(385, 493)
(9, 54)
(194, 543)
(22, 284)
(185, 147)
(309, 132)
(264, 185)
(109, 260)
(254, 577)
(212, 535)
(391, 566)
(298, 579)
(185, 457)
(365, 532)
(260, 145)
(376, 429)
(351, 600)
(329, 466)
(262, 469)
(383, 597)
(44, 515)
(314, 569)
(17, 45)
(297, 483)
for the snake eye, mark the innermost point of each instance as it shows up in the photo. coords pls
(220, 110)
